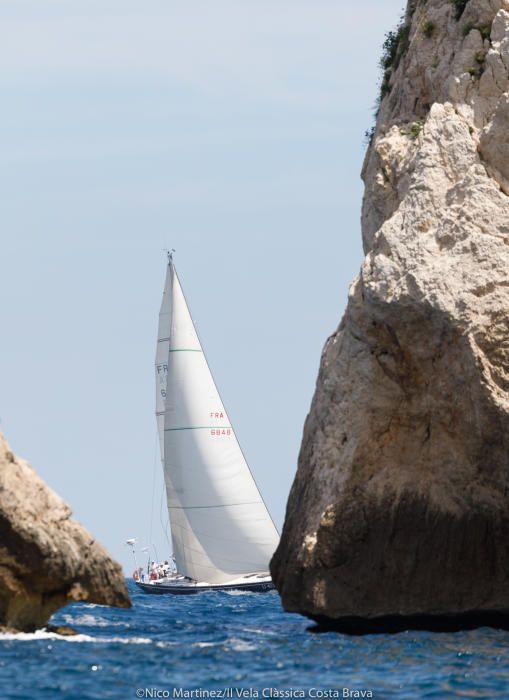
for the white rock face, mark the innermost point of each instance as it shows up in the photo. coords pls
(400, 503)
(494, 145)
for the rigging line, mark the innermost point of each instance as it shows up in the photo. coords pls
(156, 440)
(164, 526)
(167, 534)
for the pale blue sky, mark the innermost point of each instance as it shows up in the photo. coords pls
(231, 131)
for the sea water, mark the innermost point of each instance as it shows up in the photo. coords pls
(241, 645)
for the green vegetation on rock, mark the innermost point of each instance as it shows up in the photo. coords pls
(412, 130)
(393, 49)
(459, 6)
(485, 29)
(427, 28)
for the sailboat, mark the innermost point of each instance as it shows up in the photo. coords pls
(222, 533)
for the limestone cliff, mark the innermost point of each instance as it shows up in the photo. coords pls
(400, 505)
(46, 559)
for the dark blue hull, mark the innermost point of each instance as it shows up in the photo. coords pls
(190, 588)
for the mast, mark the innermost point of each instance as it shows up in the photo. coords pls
(221, 528)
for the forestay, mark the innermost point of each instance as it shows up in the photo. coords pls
(220, 526)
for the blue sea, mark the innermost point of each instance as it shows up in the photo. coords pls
(241, 645)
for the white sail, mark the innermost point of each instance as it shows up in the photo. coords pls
(163, 347)
(220, 526)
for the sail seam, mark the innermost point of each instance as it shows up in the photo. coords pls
(166, 340)
(221, 505)
(201, 427)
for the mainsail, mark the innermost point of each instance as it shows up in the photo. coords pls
(220, 526)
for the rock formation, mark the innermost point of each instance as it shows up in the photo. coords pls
(47, 560)
(399, 512)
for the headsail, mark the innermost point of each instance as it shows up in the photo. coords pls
(220, 526)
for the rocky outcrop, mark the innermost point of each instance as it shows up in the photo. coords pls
(399, 512)
(47, 560)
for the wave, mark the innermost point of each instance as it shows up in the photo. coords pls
(92, 621)
(233, 644)
(42, 634)
(254, 630)
(165, 645)
(240, 645)
(39, 635)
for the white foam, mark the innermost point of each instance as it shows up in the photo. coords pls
(164, 645)
(234, 644)
(240, 645)
(92, 621)
(44, 635)
(258, 631)
(126, 640)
